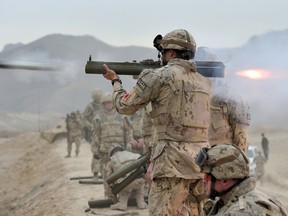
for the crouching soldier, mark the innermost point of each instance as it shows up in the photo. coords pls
(227, 182)
(119, 158)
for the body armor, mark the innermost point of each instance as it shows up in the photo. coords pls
(230, 118)
(183, 108)
(112, 131)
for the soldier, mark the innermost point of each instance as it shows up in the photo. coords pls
(80, 117)
(137, 141)
(67, 119)
(90, 112)
(74, 127)
(119, 158)
(230, 115)
(180, 103)
(109, 127)
(265, 146)
(226, 169)
(260, 162)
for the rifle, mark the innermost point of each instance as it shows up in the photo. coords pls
(138, 168)
(205, 68)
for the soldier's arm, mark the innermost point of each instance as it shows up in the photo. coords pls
(239, 119)
(140, 95)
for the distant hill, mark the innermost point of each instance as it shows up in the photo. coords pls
(63, 91)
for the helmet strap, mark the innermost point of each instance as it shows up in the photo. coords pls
(213, 192)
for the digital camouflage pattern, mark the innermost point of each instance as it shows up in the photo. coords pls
(180, 111)
(230, 118)
(179, 39)
(148, 130)
(226, 161)
(137, 141)
(244, 199)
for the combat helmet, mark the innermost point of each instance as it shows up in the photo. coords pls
(96, 95)
(115, 148)
(106, 97)
(179, 39)
(223, 161)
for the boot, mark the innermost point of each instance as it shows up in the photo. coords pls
(141, 204)
(68, 155)
(122, 204)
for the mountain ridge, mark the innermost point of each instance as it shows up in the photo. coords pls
(26, 91)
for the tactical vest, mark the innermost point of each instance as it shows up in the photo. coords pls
(225, 109)
(220, 130)
(112, 131)
(184, 113)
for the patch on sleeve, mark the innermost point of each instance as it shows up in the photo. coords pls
(126, 96)
(141, 84)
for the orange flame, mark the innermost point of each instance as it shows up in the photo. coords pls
(254, 73)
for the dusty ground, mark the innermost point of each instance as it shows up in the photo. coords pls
(35, 179)
(35, 176)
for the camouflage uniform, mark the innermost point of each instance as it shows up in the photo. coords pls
(90, 112)
(230, 115)
(230, 118)
(117, 161)
(109, 128)
(148, 130)
(180, 110)
(137, 142)
(228, 163)
(244, 199)
(74, 133)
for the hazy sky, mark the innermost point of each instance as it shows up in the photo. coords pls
(213, 23)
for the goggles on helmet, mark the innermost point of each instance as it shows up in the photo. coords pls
(156, 43)
(201, 157)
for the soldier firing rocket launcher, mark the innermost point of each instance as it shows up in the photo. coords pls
(206, 68)
(135, 169)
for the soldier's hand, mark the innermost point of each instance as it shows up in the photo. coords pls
(133, 143)
(148, 176)
(110, 74)
(140, 143)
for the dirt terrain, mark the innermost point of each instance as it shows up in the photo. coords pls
(35, 176)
